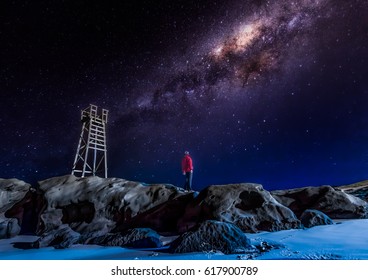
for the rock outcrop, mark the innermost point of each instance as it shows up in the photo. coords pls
(9, 228)
(359, 189)
(312, 218)
(60, 238)
(94, 206)
(162, 218)
(334, 203)
(132, 238)
(213, 236)
(12, 191)
(248, 206)
(67, 210)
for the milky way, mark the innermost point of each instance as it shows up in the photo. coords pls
(258, 91)
(251, 50)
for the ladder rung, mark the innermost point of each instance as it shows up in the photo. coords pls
(100, 128)
(97, 137)
(97, 134)
(100, 139)
(95, 130)
(98, 121)
(96, 140)
(98, 149)
(99, 144)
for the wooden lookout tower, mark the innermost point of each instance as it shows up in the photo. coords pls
(91, 159)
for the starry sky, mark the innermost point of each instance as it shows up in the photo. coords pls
(270, 92)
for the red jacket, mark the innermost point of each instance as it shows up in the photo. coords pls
(187, 164)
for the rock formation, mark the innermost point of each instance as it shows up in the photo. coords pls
(312, 218)
(94, 206)
(60, 237)
(334, 203)
(359, 189)
(12, 191)
(133, 238)
(212, 236)
(67, 210)
(248, 206)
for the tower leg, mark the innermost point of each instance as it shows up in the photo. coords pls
(77, 155)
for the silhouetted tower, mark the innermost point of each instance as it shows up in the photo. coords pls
(91, 158)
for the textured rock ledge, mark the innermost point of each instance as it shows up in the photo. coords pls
(67, 210)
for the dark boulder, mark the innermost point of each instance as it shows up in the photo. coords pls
(134, 238)
(212, 236)
(312, 218)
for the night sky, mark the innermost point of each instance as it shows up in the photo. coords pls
(270, 92)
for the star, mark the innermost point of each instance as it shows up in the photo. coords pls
(254, 83)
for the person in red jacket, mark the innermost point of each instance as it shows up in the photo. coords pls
(187, 168)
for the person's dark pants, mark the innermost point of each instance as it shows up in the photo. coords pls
(188, 181)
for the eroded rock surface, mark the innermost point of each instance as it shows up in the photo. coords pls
(213, 236)
(134, 238)
(248, 206)
(61, 237)
(312, 218)
(110, 211)
(12, 191)
(334, 203)
(359, 189)
(94, 206)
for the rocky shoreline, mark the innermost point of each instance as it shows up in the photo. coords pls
(67, 210)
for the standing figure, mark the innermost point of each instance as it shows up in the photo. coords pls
(187, 168)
